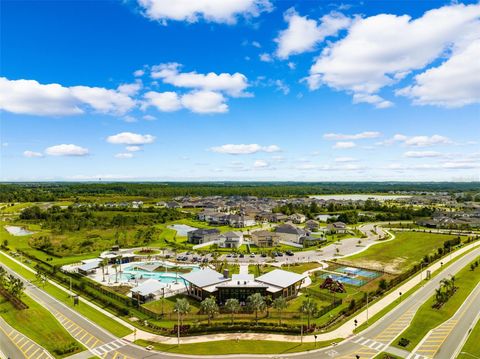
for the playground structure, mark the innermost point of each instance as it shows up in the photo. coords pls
(333, 285)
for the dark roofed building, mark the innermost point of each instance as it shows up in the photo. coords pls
(203, 235)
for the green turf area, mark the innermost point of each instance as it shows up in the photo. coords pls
(94, 315)
(428, 318)
(472, 346)
(40, 326)
(301, 268)
(384, 355)
(400, 253)
(224, 347)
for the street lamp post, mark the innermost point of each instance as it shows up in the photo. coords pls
(367, 307)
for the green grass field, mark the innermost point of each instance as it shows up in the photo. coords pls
(91, 313)
(472, 346)
(224, 347)
(428, 318)
(400, 253)
(39, 325)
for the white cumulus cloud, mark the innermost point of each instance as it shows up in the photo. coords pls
(129, 138)
(455, 83)
(303, 33)
(66, 150)
(260, 164)
(133, 148)
(32, 98)
(124, 155)
(219, 11)
(244, 149)
(356, 136)
(344, 145)
(231, 84)
(422, 154)
(32, 154)
(164, 101)
(381, 50)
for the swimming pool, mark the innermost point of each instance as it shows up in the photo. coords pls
(132, 272)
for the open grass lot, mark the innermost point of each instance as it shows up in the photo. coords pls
(428, 318)
(224, 347)
(40, 326)
(472, 346)
(94, 315)
(400, 253)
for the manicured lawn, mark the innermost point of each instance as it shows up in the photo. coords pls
(168, 304)
(386, 356)
(301, 268)
(428, 318)
(39, 325)
(94, 315)
(224, 347)
(399, 254)
(472, 346)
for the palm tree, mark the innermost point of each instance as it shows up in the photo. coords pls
(256, 303)
(182, 307)
(280, 304)
(209, 306)
(452, 281)
(115, 266)
(309, 308)
(103, 263)
(233, 306)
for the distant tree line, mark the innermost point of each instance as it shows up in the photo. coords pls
(349, 212)
(50, 191)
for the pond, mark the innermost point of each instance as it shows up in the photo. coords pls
(18, 231)
(182, 229)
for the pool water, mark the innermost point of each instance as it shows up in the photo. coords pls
(130, 273)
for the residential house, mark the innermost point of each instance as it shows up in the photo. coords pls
(290, 233)
(298, 218)
(231, 239)
(200, 236)
(264, 239)
(337, 227)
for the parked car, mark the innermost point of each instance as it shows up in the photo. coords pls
(289, 253)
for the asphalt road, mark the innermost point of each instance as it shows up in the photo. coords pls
(367, 344)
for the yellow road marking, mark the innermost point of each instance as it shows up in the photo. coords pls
(30, 347)
(83, 336)
(35, 352)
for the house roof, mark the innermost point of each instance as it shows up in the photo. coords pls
(264, 233)
(232, 234)
(89, 266)
(280, 278)
(204, 277)
(288, 228)
(150, 286)
(204, 231)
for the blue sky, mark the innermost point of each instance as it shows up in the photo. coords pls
(240, 90)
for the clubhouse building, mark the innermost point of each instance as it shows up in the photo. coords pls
(208, 282)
